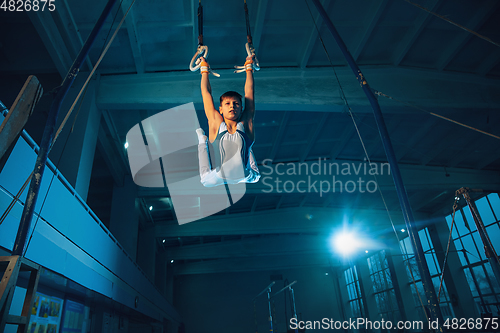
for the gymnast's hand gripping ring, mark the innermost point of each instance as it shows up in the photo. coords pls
(195, 63)
(250, 52)
(202, 51)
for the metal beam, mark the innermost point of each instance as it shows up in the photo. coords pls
(484, 12)
(49, 132)
(440, 146)
(310, 89)
(293, 220)
(294, 244)
(133, 36)
(22, 108)
(489, 63)
(279, 135)
(303, 261)
(344, 139)
(117, 142)
(72, 30)
(166, 25)
(303, 201)
(423, 198)
(377, 9)
(52, 39)
(312, 139)
(376, 144)
(468, 151)
(107, 145)
(313, 36)
(254, 204)
(302, 177)
(259, 24)
(487, 161)
(412, 34)
(432, 299)
(424, 130)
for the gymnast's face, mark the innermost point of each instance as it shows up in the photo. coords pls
(230, 108)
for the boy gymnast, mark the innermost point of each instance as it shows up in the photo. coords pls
(230, 132)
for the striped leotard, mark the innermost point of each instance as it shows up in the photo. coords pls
(233, 158)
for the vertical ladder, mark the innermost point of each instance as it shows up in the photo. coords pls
(10, 267)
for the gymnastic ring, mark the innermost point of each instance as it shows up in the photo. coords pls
(202, 51)
(251, 52)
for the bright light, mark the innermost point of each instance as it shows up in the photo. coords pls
(366, 251)
(172, 261)
(403, 230)
(164, 240)
(126, 145)
(345, 243)
(150, 207)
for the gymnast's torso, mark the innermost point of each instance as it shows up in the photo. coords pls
(233, 158)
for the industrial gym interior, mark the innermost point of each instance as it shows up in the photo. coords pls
(377, 139)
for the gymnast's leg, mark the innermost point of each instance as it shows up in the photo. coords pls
(203, 154)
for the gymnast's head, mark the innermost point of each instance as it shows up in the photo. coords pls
(230, 105)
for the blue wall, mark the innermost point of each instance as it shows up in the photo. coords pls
(68, 238)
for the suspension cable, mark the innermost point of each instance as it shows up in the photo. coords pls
(455, 24)
(436, 114)
(200, 24)
(247, 20)
(344, 98)
(201, 50)
(249, 47)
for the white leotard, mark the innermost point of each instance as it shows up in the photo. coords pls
(234, 159)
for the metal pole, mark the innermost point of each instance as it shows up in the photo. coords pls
(268, 289)
(433, 302)
(48, 133)
(270, 310)
(489, 251)
(293, 306)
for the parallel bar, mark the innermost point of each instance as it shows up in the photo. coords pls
(285, 287)
(268, 290)
(294, 310)
(48, 133)
(433, 302)
(265, 289)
